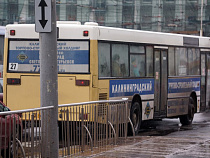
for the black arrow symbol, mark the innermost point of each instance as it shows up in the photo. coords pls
(43, 4)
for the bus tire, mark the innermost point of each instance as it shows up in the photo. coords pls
(135, 115)
(187, 119)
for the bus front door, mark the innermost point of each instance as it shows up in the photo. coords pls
(203, 82)
(208, 81)
(161, 82)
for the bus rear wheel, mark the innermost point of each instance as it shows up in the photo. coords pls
(135, 114)
(187, 119)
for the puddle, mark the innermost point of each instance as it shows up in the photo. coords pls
(163, 128)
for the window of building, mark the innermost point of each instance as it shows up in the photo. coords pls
(128, 1)
(146, 17)
(100, 17)
(12, 1)
(169, 1)
(147, 1)
(101, 4)
(58, 10)
(71, 1)
(128, 15)
(195, 1)
(31, 11)
(71, 10)
(191, 12)
(98, 3)
(12, 11)
(169, 14)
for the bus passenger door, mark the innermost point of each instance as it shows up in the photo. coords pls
(161, 82)
(208, 81)
(203, 82)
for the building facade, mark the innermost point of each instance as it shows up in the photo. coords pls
(178, 16)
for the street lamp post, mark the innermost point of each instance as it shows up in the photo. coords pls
(201, 30)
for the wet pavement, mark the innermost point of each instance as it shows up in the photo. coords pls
(165, 139)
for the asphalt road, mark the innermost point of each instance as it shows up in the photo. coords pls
(166, 139)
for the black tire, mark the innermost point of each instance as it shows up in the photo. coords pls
(9, 154)
(187, 119)
(136, 118)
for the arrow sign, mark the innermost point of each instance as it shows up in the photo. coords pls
(43, 4)
(43, 16)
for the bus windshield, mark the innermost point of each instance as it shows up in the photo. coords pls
(72, 56)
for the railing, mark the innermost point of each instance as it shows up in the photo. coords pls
(84, 128)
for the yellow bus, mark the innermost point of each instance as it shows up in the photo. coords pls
(162, 74)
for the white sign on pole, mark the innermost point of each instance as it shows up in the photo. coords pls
(43, 16)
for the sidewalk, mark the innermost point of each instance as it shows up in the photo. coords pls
(193, 142)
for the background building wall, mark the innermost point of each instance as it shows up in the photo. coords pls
(178, 16)
(2, 32)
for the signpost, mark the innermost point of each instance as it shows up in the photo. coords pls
(45, 24)
(43, 9)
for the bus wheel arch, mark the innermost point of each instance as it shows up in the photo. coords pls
(136, 113)
(188, 118)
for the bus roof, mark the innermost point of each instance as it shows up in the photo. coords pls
(74, 30)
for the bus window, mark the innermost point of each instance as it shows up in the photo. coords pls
(193, 61)
(149, 58)
(119, 60)
(104, 59)
(197, 62)
(171, 61)
(137, 61)
(181, 61)
(197, 59)
(208, 81)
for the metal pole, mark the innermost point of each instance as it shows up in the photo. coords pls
(201, 31)
(126, 119)
(32, 136)
(159, 16)
(82, 132)
(48, 87)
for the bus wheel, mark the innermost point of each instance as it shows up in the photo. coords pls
(187, 119)
(135, 115)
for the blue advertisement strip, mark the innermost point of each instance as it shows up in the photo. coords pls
(183, 85)
(130, 87)
(72, 56)
(64, 57)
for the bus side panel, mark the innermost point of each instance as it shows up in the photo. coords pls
(94, 70)
(26, 95)
(179, 91)
(127, 88)
(147, 110)
(5, 70)
(103, 90)
(68, 92)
